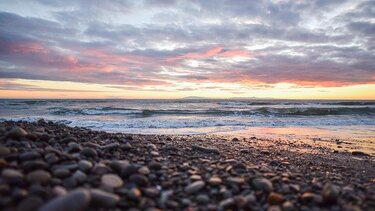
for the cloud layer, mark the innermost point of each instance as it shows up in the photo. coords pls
(167, 42)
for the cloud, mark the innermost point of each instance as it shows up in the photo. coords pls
(153, 43)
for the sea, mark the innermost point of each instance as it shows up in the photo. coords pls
(250, 117)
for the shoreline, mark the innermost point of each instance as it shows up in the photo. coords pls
(44, 165)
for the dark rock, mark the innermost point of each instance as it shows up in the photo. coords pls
(134, 194)
(359, 153)
(61, 172)
(89, 152)
(39, 176)
(311, 197)
(4, 151)
(101, 199)
(263, 184)
(33, 165)
(330, 193)
(194, 187)
(139, 179)
(30, 155)
(17, 133)
(111, 180)
(205, 150)
(74, 147)
(275, 198)
(84, 165)
(12, 175)
(74, 201)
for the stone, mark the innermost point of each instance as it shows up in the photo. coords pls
(110, 146)
(84, 165)
(79, 176)
(244, 151)
(194, 187)
(263, 184)
(12, 175)
(39, 176)
(288, 206)
(235, 139)
(74, 201)
(144, 170)
(139, 179)
(33, 165)
(227, 203)
(330, 193)
(4, 151)
(151, 192)
(275, 198)
(89, 152)
(17, 133)
(30, 203)
(203, 198)
(215, 180)
(30, 155)
(128, 170)
(359, 153)
(236, 180)
(103, 199)
(155, 165)
(58, 191)
(74, 147)
(311, 197)
(274, 208)
(111, 180)
(61, 172)
(134, 194)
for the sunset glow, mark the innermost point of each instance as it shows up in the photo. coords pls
(176, 49)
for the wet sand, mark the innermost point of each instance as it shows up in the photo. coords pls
(51, 166)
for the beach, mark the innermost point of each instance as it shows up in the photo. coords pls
(51, 166)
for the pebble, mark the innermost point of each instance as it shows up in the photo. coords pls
(288, 206)
(144, 170)
(244, 151)
(74, 201)
(263, 184)
(359, 153)
(89, 152)
(74, 147)
(33, 165)
(236, 180)
(227, 203)
(275, 198)
(330, 193)
(103, 199)
(215, 180)
(30, 155)
(194, 187)
(205, 150)
(12, 175)
(4, 151)
(311, 197)
(39, 176)
(111, 180)
(134, 194)
(203, 198)
(84, 165)
(79, 176)
(151, 192)
(139, 179)
(61, 172)
(17, 133)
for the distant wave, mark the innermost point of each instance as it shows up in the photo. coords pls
(269, 111)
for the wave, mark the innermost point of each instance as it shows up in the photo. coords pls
(267, 111)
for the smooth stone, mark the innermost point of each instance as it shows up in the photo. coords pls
(288, 206)
(30, 155)
(39, 176)
(59, 191)
(134, 194)
(89, 152)
(155, 165)
(215, 180)
(194, 187)
(33, 165)
(359, 153)
(84, 165)
(61, 172)
(139, 179)
(274, 208)
(244, 151)
(128, 170)
(205, 150)
(4, 151)
(111, 180)
(263, 184)
(236, 180)
(30, 203)
(69, 139)
(101, 168)
(195, 177)
(144, 170)
(12, 175)
(203, 198)
(151, 192)
(17, 133)
(74, 147)
(126, 146)
(103, 199)
(275, 198)
(226, 203)
(330, 193)
(79, 176)
(77, 200)
(110, 146)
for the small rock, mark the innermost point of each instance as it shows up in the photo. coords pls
(139, 179)
(144, 170)
(227, 203)
(61, 172)
(126, 146)
(203, 198)
(274, 208)
(79, 176)
(84, 165)
(155, 165)
(263, 184)
(30, 155)
(244, 151)
(89, 152)
(288, 206)
(194, 187)
(74, 201)
(4, 151)
(236, 180)
(33, 165)
(235, 139)
(134, 194)
(103, 199)
(111, 180)
(12, 176)
(74, 147)
(39, 176)
(17, 133)
(151, 192)
(215, 180)
(330, 193)
(205, 150)
(275, 198)
(311, 197)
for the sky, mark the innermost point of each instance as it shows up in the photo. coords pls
(313, 49)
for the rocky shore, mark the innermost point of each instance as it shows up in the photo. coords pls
(47, 166)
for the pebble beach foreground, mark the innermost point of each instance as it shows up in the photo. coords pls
(47, 166)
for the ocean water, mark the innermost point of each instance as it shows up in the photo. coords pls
(250, 117)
